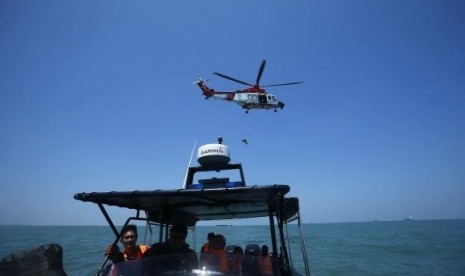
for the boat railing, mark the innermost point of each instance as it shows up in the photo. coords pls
(118, 233)
(279, 263)
(303, 245)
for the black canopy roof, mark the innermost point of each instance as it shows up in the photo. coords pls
(192, 205)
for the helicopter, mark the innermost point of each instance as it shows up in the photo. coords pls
(254, 97)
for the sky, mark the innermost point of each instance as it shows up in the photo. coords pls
(98, 96)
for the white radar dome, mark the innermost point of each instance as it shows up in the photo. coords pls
(213, 154)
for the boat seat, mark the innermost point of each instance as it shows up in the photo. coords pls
(250, 261)
(233, 264)
(252, 249)
(229, 249)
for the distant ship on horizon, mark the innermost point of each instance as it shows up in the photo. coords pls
(408, 218)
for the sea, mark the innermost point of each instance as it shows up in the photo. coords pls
(413, 247)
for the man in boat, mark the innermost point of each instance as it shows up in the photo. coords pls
(207, 248)
(217, 259)
(131, 249)
(265, 265)
(172, 255)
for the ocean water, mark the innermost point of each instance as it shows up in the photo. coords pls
(428, 247)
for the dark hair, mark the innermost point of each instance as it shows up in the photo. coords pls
(129, 227)
(219, 242)
(264, 250)
(211, 235)
(179, 228)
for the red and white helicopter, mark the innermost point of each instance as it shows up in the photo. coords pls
(254, 97)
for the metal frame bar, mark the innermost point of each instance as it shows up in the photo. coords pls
(115, 231)
(303, 246)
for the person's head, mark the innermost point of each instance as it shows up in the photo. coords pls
(264, 250)
(219, 242)
(210, 237)
(129, 236)
(178, 234)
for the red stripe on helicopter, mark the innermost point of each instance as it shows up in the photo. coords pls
(230, 96)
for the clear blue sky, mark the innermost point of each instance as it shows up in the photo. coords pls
(98, 96)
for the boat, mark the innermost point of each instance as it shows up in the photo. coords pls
(214, 199)
(46, 259)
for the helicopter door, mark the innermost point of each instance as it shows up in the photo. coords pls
(252, 98)
(262, 99)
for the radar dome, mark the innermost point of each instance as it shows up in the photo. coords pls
(213, 155)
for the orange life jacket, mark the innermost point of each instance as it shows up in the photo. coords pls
(220, 259)
(206, 248)
(131, 264)
(223, 260)
(265, 266)
(137, 255)
(205, 254)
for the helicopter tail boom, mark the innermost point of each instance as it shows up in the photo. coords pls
(206, 91)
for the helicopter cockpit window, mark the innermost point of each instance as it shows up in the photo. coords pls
(273, 97)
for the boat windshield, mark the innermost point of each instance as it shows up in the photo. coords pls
(205, 264)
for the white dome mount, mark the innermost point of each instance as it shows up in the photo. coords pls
(213, 154)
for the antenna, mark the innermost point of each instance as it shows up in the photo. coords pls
(188, 165)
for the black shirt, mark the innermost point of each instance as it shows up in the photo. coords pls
(160, 258)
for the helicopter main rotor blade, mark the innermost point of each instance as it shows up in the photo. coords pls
(281, 84)
(260, 72)
(233, 79)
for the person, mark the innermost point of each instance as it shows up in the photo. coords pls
(207, 248)
(131, 249)
(217, 259)
(172, 255)
(265, 265)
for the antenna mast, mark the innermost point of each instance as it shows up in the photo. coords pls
(188, 165)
